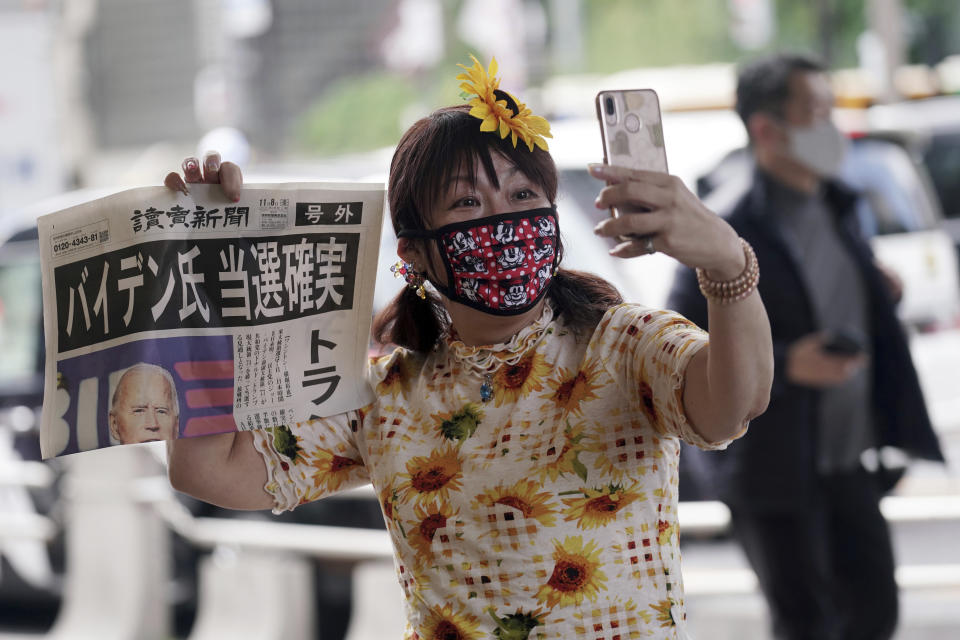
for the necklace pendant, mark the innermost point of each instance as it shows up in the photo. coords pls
(486, 389)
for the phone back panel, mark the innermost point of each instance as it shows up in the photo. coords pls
(632, 129)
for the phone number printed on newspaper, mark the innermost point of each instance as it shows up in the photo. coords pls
(86, 237)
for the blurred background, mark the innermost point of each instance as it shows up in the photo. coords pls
(102, 95)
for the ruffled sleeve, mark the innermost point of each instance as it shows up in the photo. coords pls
(310, 460)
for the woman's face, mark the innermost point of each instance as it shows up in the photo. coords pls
(462, 199)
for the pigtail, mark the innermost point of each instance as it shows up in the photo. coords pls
(582, 299)
(410, 321)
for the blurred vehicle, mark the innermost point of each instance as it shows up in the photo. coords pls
(934, 125)
(20, 316)
(898, 213)
(30, 568)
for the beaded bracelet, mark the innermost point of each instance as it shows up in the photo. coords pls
(730, 291)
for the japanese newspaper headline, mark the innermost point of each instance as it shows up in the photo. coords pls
(170, 315)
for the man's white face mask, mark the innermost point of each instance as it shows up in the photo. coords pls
(819, 147)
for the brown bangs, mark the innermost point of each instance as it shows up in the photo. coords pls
(447, 144)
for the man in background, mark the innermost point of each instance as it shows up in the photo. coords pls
(803, 506)
(144, 406)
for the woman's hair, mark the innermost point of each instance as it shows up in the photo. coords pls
(445, 144)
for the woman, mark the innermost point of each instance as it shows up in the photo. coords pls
(525, 436)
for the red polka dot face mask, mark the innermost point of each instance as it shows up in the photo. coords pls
(499, 264)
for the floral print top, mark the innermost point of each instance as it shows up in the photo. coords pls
(549, 511)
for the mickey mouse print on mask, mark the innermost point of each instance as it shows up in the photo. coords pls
(500, 264)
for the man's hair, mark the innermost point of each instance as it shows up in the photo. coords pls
(144, 367)
(763, 85)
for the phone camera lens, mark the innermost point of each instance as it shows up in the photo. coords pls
(610, 106)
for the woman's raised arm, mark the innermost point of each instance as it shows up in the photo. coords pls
(223, 469)
(728, 382)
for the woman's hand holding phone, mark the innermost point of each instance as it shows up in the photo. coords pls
(678, 222)
(650, 209)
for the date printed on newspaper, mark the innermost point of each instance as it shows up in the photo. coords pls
(169, 315)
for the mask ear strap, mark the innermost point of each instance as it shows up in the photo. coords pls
(416, 233)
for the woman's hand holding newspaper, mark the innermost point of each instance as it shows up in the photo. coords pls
(212, 171)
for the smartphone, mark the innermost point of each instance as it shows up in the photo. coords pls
(843, 342)
(631, 129)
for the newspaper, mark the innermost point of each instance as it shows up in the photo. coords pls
(172, 315)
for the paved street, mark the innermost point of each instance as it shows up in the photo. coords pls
(927, 613)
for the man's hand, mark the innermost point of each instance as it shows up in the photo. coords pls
(809, 365)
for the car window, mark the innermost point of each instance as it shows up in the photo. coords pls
(942, 159)
(579, 186)
(577, 191)
(895, 199)
(20, 312)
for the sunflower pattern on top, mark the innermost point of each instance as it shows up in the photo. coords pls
(550, 512)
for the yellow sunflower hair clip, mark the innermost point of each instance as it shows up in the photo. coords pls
(498, 110)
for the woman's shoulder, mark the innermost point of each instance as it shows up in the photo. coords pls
(637, 315)
(631, 320)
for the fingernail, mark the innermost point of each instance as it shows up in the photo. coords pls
(191, 164)
(596, 230)
(236, 198)
(597, 204)
(186, 191)
(212, 161)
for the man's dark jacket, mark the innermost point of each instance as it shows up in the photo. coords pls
(774, 465)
